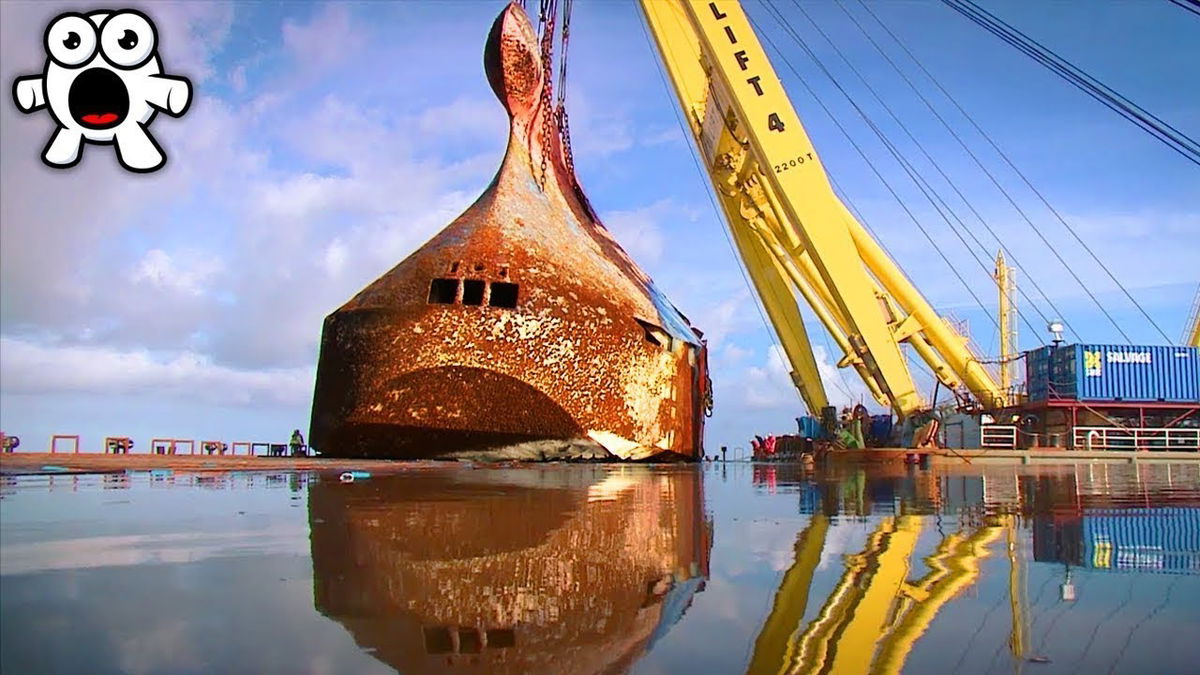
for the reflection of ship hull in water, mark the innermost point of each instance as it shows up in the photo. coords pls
(496, 571)
(522, 324)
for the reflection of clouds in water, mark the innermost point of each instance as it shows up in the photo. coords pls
(91, 552)
(843, 538)
(165, 643)
(611, 487)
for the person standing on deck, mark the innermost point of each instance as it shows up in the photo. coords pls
(297, 442)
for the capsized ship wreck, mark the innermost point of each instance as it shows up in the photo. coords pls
(522, 329)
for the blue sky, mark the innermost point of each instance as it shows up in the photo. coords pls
(329, 140)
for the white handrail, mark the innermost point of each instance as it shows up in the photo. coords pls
(998, 436)
(1135, 438)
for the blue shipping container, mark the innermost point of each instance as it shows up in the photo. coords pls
(1166, 539)
(1037, 374)
(1114, 373)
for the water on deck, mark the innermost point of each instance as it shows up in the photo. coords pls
(584, 568)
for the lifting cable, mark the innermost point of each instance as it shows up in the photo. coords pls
(1106, 95)
(1155, 126)
(1011, 256)
(986, 268)
(1190, 5)
(1028, 183)
(857, 147)
(845, 197)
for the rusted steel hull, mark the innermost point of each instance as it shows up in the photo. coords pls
(526, 570)
(522, 325)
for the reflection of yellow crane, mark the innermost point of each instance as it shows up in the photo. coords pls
(873, 617)
(794, 234)
(774, 640)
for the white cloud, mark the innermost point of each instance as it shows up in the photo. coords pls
(335, 257)
(470, 119)
(31, 368)
(329, 39)
(597, 130)
(769, 385)
(159, 269)
(237, 78)
(638, 231)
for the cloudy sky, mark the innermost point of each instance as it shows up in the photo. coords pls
(327, 141)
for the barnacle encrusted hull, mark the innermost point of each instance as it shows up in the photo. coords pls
(522, 328)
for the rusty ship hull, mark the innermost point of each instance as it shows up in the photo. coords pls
(522, 328)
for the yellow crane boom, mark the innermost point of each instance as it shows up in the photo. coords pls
(1193, 335)
(793, 233)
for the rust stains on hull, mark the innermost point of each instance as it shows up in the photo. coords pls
(522, 323)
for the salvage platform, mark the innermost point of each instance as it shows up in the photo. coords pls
(60, 463)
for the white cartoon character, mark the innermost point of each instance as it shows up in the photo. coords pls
(103, 83)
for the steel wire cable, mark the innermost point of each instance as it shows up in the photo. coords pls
(975, 157)
(845, 197)
(1099, 91)
(936, 166)
(1160, 129)
(1012, 256)
(783, 57)
(1192, 6)
(1028, 184)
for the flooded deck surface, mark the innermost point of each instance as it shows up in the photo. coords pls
(585, 568)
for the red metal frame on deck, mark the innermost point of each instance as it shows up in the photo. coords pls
(54, 439)
(1182, 410)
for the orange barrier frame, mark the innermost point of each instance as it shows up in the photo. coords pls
(108, 440)
(221, 447)
(57, 437)
(237, 444)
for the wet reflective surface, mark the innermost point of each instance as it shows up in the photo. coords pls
(722, 568)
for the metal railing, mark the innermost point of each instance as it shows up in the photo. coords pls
(1135, 438)
(998, 436)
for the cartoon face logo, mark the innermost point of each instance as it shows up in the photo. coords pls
(103, 84)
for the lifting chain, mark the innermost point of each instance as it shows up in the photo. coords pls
(560, 111)
(549, 10)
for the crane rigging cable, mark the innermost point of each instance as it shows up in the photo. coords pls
(962, 143)
(1160, 129)
(1192, 6)
(1024, 179)
(1095, 88)
(943, 204)
(895, 153)
(863, 155)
